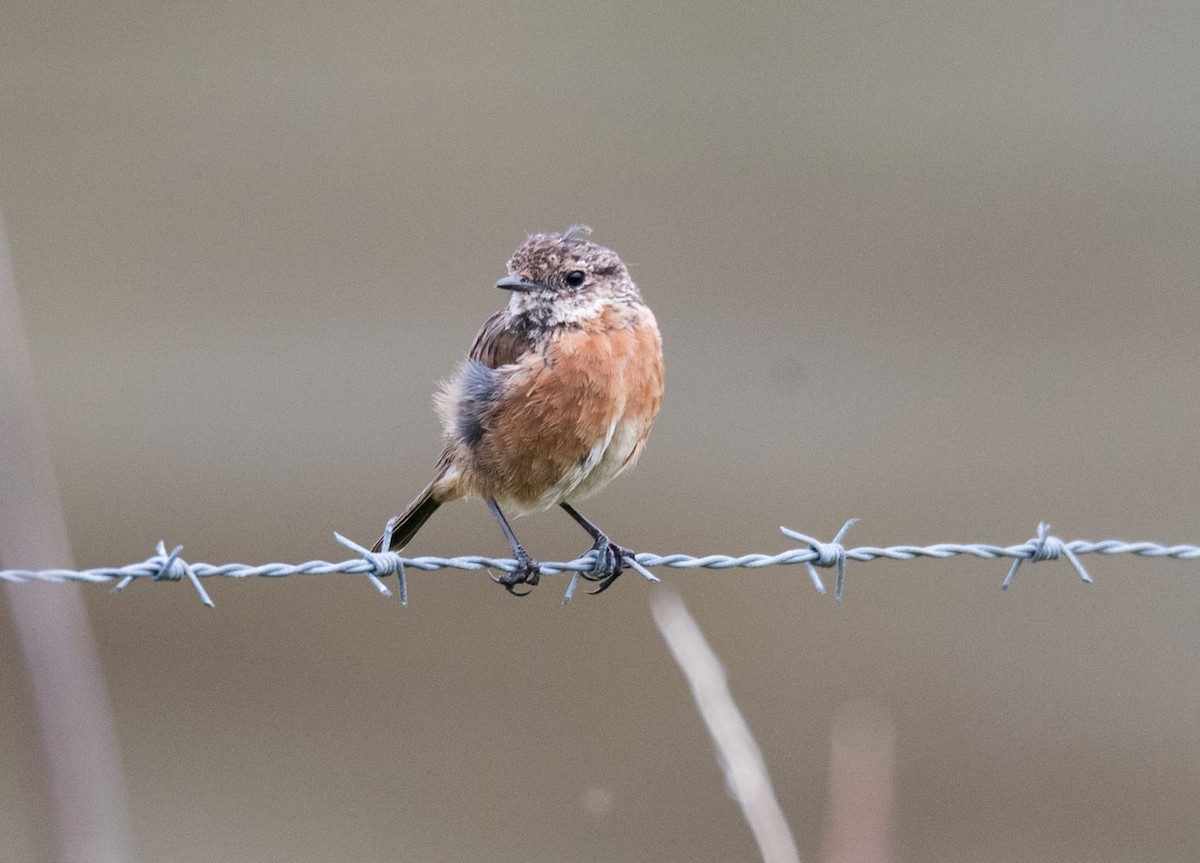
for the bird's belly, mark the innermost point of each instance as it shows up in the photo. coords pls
(608, 459)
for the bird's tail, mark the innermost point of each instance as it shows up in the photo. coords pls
(409, 522)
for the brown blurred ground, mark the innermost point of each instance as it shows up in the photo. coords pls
(933, 267)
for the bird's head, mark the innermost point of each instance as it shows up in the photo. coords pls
(565, 278)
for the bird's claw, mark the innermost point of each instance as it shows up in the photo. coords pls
(527, 571)
(608, 565)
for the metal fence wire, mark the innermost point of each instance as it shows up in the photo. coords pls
(169, 566)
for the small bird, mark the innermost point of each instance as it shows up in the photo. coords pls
(555, 399)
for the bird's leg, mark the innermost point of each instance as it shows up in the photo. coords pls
(610, 557)
(527, 569)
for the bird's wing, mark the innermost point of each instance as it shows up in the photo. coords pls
(500, 342)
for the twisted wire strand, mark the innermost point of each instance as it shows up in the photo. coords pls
(169, 566)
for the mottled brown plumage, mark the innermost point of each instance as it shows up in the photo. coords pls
(555, 399)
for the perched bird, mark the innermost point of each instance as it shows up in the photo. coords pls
(555, 399)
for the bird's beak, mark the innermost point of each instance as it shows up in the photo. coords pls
(516, 283)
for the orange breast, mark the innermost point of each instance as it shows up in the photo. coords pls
(562, 411)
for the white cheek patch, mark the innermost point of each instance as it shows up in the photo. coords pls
(520, 302)
(572, 311)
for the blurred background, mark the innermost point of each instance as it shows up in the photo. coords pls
(930, 265)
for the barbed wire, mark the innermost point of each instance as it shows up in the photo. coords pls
(169, 566)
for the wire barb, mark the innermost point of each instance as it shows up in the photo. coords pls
(383, 563)
(592, 557)
(169, 567)
(827, 554)
(1046, 547)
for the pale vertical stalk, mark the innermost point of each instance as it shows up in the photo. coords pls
(76, 725)
(862, 766)
(737, 751)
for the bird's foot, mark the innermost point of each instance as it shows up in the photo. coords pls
(527, 571)
(609, 563)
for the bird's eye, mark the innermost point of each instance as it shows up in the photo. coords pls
(575, 278)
